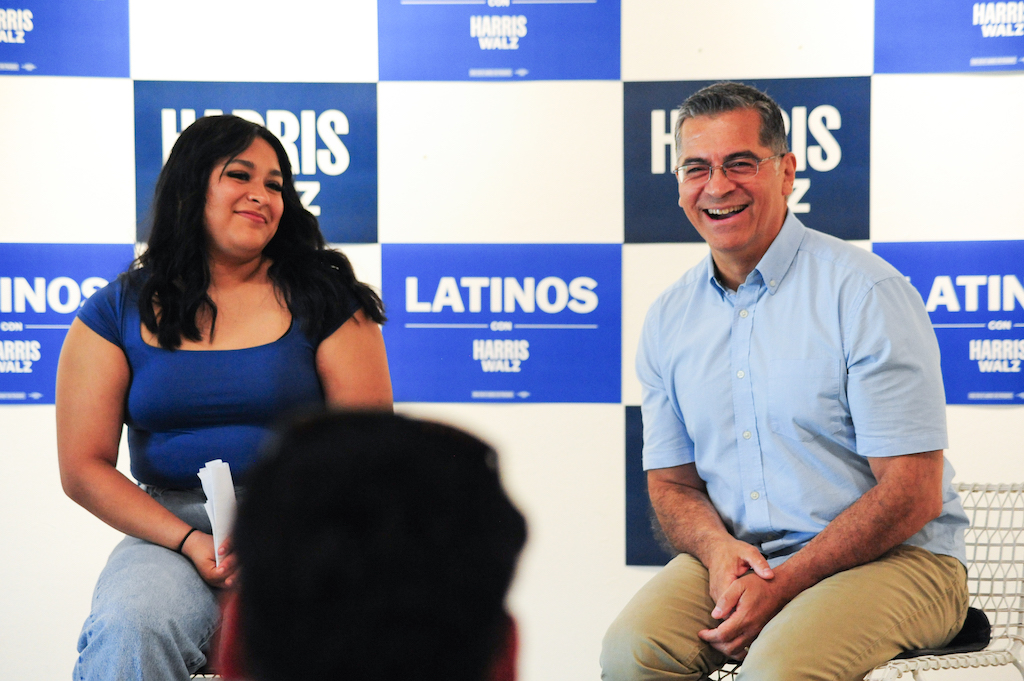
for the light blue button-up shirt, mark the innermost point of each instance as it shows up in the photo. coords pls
(780, 390)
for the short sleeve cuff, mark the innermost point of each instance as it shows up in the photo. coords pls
(101, 313)
(884, 447)
(667, 459)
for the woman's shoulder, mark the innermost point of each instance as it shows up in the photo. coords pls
(320, 287)
(106, 310)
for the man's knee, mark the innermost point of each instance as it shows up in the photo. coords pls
(655, 635)
(831, 632)
(630, 652)
(618, 658)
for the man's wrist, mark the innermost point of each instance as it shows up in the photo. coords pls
(714, 548)
(790, 580)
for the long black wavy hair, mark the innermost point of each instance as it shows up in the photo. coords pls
(173, 275)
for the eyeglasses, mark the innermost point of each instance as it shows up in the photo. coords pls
(738, 170)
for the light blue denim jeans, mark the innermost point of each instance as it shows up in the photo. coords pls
(152, 614)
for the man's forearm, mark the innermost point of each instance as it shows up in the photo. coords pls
(693, 525)
(688, 518)
(905, 499)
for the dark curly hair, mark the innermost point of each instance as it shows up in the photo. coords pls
(374, 546)
(316, 282)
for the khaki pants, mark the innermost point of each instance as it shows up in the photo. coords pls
(837, 630)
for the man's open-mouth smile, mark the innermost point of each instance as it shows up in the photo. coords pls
(722, 213)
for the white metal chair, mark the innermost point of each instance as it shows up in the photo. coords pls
(729, 671)
(205, 673)
(995, 580)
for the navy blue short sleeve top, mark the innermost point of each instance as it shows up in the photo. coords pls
(187, 407)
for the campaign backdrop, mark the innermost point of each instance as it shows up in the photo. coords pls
(974, 293)
(41, 288)
(328, 129)
(64, 38)
(645, 542)
(948, 35)
(507, 162)
(503, 323)
(499, 39)
(828, 121)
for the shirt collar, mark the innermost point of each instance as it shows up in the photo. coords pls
(778, 259)
(712, 279)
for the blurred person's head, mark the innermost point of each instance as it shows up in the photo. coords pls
(373, 546)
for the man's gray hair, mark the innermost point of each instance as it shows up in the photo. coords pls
(728, 96)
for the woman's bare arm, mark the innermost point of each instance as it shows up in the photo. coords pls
(353, 366)
(92, 382)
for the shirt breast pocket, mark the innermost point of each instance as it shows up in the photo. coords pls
(803, 398)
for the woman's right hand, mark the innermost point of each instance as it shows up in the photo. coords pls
(199, 549)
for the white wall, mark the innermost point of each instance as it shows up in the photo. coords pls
(485, 162)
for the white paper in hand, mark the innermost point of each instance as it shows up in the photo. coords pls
(220, 500)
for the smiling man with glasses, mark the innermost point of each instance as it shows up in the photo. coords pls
(794, 422)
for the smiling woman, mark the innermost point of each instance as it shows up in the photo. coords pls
(236, 314)
(244, 204)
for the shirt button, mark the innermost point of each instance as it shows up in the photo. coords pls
(744, 313)
(740, 374)
(772, 283)
(746, 434)
(755, 496)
